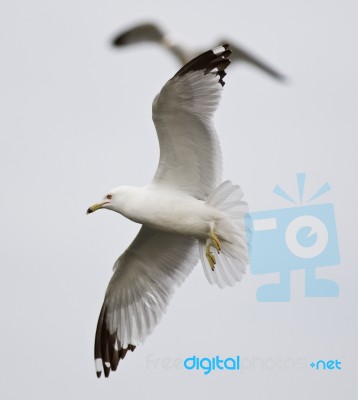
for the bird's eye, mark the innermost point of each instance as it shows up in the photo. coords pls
(109, 196)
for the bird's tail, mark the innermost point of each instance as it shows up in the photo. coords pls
(232, 258)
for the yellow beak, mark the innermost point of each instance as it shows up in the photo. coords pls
(95, 207)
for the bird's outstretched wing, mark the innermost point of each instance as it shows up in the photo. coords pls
(190, 155)
(144, 279)
(146, 32)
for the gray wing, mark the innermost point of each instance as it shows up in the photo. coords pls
(144, 279)
(190, 155)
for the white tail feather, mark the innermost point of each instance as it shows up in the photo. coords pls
(232, 260)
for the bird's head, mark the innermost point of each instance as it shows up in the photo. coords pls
(111, 201)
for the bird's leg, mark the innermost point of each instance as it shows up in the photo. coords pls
(215, 240)
(209, 256)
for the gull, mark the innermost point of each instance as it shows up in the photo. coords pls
(149, 32)
(186, 213)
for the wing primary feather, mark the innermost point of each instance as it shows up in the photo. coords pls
(97, 344)
(104, 347)
(115, 356)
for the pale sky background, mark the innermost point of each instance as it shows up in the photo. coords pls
(76, 121)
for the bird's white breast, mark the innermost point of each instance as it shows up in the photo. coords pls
(168, 210)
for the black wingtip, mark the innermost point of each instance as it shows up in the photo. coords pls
(215, 59)
(108, 350)
(106, 370)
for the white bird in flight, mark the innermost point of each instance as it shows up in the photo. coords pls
(149, 32)
(185, 213)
